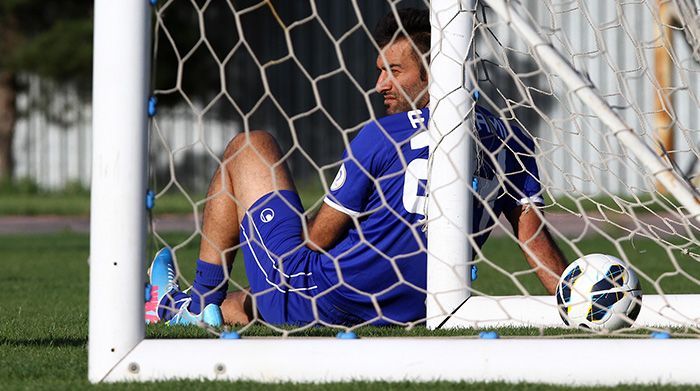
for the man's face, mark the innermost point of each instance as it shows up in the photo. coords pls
(400, 79)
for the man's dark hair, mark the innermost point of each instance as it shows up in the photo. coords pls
(414, 25)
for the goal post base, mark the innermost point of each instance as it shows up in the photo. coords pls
(541, 311)
(570, 362)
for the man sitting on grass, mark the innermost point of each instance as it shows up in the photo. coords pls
(362, 258)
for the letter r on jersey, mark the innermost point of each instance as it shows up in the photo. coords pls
(416, 118)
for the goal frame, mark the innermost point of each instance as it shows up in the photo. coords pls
(118, 350)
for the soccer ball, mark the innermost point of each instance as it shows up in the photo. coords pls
(599, 292)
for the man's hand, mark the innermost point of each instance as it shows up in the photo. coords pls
(327, 228)
(540, 250)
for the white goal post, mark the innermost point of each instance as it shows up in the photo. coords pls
(118, 350)
(121, 67)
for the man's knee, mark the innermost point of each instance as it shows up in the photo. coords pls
(259, 141)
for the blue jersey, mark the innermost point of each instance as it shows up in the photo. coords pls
(382, 184)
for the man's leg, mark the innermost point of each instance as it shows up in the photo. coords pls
(251, 168)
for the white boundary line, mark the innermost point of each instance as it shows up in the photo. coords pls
(541, 311)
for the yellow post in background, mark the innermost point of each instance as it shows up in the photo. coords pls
(663, 71)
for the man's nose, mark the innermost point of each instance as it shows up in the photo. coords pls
(383, 84)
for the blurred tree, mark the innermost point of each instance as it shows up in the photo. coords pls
(52, 40)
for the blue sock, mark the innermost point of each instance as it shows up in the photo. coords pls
(204, 289)
(170, 304)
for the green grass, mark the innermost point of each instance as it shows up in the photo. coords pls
(74, 204)
(75, 201)
(640, 203)
(43, 326)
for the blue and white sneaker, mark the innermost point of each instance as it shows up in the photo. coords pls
(210, 315)
(168, 303)
(163, 278)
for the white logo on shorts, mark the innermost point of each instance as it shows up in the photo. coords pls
(267, 215)
(339, 180)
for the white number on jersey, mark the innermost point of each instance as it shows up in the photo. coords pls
(416, 172)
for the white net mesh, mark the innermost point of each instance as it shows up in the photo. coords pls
(305, 71)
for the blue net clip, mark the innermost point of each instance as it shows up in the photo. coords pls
(152, 106)
(474, 273)
(153, 2)
(230, 335)
(346, 335)
(475, 184)
(488, 335)
(150, 199)
(147, 293)
(476, 94)
(660, 335)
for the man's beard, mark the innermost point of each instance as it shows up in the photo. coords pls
(401, 104)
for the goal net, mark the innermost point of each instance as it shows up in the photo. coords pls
(601, 95)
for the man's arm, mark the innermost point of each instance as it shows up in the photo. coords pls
(540, 250)
(327, 228)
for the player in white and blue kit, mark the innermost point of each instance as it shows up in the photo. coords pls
(362, 258)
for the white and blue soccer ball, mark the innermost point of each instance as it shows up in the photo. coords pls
(599, 292)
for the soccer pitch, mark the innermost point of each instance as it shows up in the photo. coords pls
(44, 326)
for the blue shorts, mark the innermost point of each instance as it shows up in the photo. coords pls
(279, 266)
